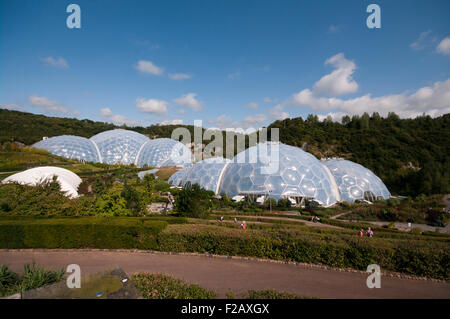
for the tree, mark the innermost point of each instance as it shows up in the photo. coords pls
(193, 201)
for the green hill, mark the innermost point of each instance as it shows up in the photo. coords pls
(409, 155)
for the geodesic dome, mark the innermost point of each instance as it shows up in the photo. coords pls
(119, 146)
(178, 177)
(70, 146)
(68, 181)
(207, 173)
(355, 182)
(163, 152)
(279, 170)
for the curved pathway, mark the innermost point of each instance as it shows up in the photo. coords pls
(239, 275)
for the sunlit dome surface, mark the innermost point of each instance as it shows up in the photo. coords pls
(178, 177)
(163, 152)
(207, 173)
(68, 181)
(69, 146)
(293, 173)
(119, 146)
(356, 182)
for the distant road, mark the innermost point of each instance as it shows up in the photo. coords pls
(221, 274)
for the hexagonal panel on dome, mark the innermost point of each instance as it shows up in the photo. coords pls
(119, 146)
(178, 177)
(164, 152)
(280, 170)
(354, 180)
(206, 173)
(72, 147)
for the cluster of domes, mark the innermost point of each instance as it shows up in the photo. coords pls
(119, 147)
(279, 171)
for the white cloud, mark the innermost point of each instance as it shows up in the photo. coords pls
(419, 44)
(247, 124)
(171, 122)
(189, 100)
(151, 106)
(433, 100)
(339, 81)
(148, 67)
(55, 62)
(48, 105)
(444, 46)
(179, 76)
(253, 105)
(108, 115)
(277, 113)
(269, 100)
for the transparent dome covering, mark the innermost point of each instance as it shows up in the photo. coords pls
(178, 177)
(163, 152)
(206, 173)
(355, 182)
(294, 173)
(119, 146)
(69, 146)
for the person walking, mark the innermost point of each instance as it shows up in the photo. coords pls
(369, 232)
(361, 233)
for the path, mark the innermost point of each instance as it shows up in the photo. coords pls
(221, 274)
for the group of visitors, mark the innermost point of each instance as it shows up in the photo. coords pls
(369, 232)
(243, 224)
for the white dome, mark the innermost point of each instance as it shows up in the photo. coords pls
(207, 174)
(355, 181)
(119, 146)
(293, 172)
(163, 152)
(68, 181)
(70, 146)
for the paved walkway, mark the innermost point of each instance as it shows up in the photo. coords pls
(221, 274)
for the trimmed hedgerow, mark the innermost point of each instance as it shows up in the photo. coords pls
(430, 259)
(85, 232)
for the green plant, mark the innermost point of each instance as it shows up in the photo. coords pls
(160, 286)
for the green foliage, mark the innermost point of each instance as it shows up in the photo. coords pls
(409, 155)
(272, 294)
(160, 286)
(193, 201)
(112, 203)
(284, 203)
(82, 232)
(418, 257)
(33, 277)
(132, 200)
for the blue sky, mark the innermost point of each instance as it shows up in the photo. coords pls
(228, 63)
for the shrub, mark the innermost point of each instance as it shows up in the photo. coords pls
(160, 286)
(193, 201)
(83, 232)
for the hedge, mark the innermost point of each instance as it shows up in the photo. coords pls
(413, 257)
(86, 232)
(337, 249)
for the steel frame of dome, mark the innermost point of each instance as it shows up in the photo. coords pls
(72, 147)
(119, 146)
(299, 175)
(206, 173)
(163, 152)
(354, 181)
